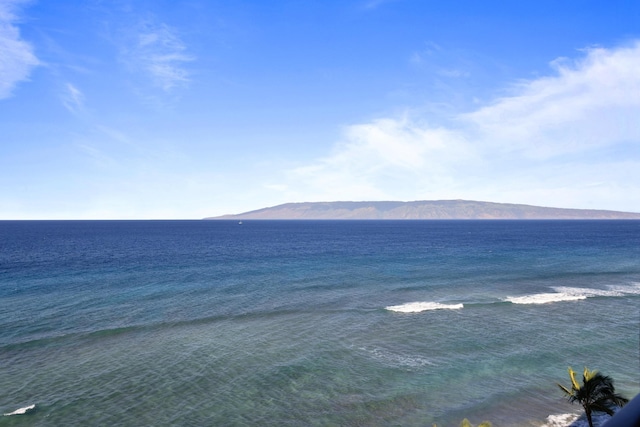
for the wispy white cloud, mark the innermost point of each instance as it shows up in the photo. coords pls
(440, 62)
(568, 139)
(453, 72)
(387, 158)
(158, 51)
(72, 99)
(589, 103)
(374, 4)
(422, 56)
(17, 57)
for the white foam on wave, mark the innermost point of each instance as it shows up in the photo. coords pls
(560, 294)
(566, 293)
(21, 411)
(576, 420)
(631, 289)
(545, 298)
(611, 291)
(560, 420)
(588, 292)
(417, 307)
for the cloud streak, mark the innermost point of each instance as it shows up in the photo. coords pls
(589, 103)
(17, 55)
(158, 51)
(554, 140)
(383, 159)
(374, 4)
(73, 99)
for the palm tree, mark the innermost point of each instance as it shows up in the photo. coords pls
(595, 394)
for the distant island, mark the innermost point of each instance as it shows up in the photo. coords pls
(420, 210)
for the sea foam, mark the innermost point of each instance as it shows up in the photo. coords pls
(630, 289)
(416, 307)
(560, 420)
(565, 293)
(589, 292)
(611, 291)
(21, 411)
(576, 420)
(545, 298)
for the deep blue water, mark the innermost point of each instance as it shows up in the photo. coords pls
(312, 323)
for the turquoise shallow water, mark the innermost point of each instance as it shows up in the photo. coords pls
(396, 323)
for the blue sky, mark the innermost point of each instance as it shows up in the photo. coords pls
(186, 109)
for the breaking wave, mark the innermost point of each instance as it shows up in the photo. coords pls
(576, 420)
(416, 307)
(544, 298)
(559, 294)
(560, 420)
(21, 411)
(563, 293)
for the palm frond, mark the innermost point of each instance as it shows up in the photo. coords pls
(572, 375)
(587, 374)
(566, 390)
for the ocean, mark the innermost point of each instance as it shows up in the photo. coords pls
(312, 323)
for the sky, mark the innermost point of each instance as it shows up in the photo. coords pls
(169, 109)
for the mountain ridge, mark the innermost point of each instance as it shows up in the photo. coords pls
(420, 210)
